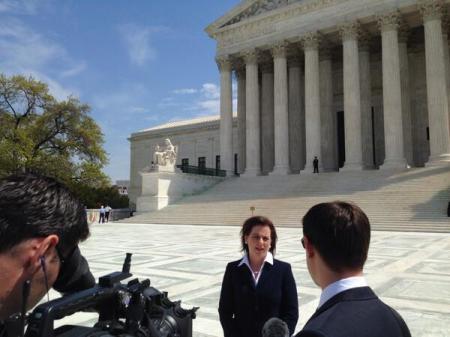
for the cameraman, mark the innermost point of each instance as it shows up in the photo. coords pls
(41, 224)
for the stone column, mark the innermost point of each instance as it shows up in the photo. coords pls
(253, 154)
(352, 97)
(445, 30)
(392, 98)
(327, 113)
(436, 83)
(406, 97)
(365, 81)
(312, 100)
(267, 123)
(226, 116)
(281, 117)
(240, 75)
(296, 114)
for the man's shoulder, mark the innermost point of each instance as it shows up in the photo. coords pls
(374, 317)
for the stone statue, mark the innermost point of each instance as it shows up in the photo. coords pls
(164, 156)
(170, 154)
(158, 156)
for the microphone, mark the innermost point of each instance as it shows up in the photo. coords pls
(275, 327)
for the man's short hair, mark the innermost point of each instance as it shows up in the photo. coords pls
(34, 206)
(340, 231)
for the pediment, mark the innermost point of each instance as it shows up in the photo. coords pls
(248, 9)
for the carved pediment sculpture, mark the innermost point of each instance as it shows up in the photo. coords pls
(259, 7)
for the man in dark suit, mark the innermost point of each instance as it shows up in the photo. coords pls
(336, 238)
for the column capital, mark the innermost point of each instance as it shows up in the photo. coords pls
(279, 49)
(224, 63)
(389, 21)
(250, 56)
(310, 41)
(431, 9)
(350, 31)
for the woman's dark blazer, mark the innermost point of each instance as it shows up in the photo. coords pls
(244, 308)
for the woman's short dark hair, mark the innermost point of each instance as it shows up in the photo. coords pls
(34, 206)
(340, 231)
(258, 221)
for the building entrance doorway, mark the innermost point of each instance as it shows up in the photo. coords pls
(340, 138)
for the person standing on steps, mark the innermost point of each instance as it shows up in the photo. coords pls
(316, 165)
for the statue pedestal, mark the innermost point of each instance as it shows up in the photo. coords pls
(161, 188)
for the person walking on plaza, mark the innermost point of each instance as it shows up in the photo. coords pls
(102, 212)
(336, 237)
(257, 287)
(316, 164)
(107, 212)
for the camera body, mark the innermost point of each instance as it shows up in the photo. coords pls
(134, 309)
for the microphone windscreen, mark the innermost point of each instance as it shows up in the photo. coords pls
(275, 327)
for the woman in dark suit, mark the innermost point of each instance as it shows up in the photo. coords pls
(257, 286)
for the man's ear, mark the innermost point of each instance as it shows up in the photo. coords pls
(43, 250)
(310, 252)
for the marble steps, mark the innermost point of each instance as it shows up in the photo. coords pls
(412, 200)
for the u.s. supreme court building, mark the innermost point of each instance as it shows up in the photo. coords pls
(361, 84)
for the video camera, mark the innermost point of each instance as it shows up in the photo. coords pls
(134, 309)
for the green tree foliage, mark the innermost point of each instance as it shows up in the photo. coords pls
(57, 138)
(108, 195)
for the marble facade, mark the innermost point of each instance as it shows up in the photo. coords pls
(358, 83)
(193, 139)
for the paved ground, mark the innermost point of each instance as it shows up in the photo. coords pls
(409, 271)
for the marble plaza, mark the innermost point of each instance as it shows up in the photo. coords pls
(409, 271)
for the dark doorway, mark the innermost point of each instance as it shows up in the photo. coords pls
(341, 138)
(201, 164)
(217, 162)
(374, 152)
(236, 164)
(185, 162)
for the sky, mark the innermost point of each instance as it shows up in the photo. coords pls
(136, 63)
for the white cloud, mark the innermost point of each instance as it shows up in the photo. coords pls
(211, 90)
(138, 109)
(20, 6)
(209, 106)
(57, 89)
(137, 40)
(185, 91)
(75, 70)
(23, 48)
(31, 54)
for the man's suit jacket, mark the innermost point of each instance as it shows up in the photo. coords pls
(356, 312)
(244, 307)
